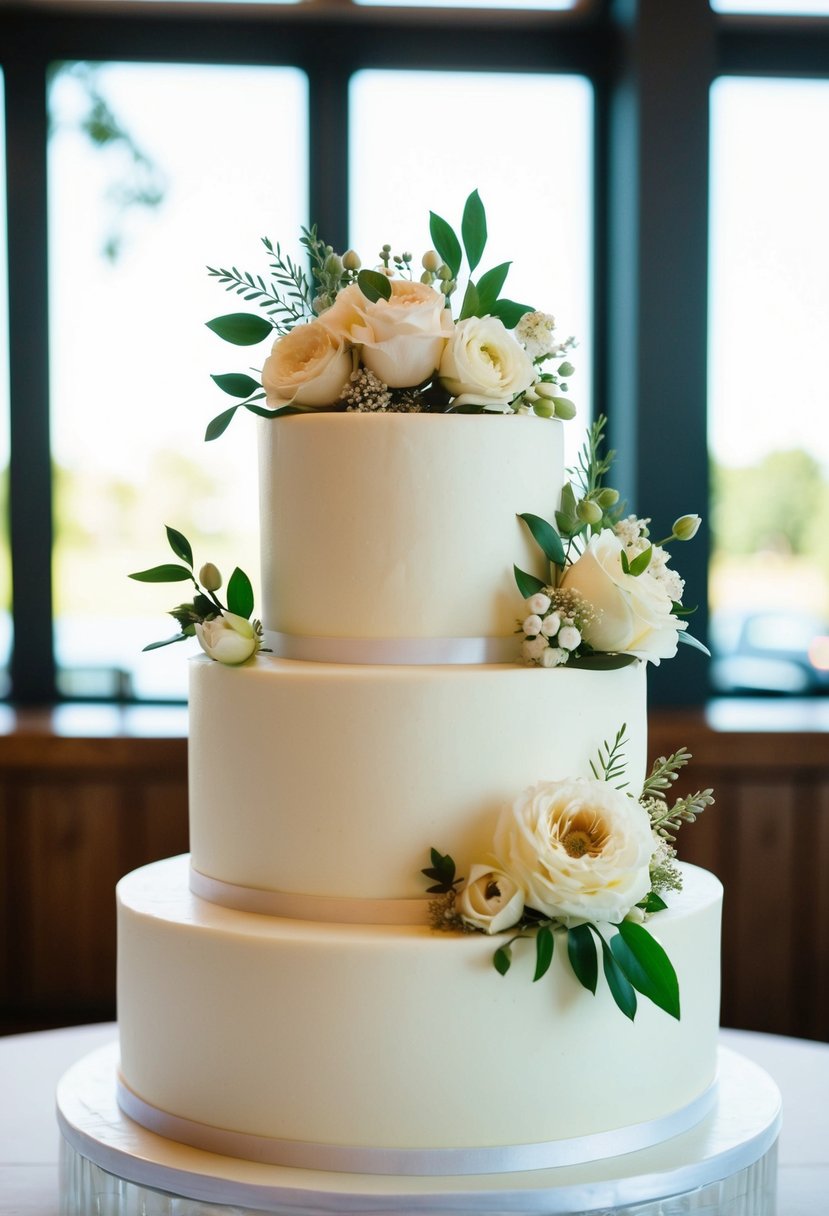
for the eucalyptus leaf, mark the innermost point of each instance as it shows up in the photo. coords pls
(602, 662)
(236, 384)
(180, 545)
(510, 312)
(162, 574)
(445, 242)
(690, 640)
(177, 637)
(489, 287)
(546, 537)
(241, 328)
(641, 562)
(374, 285)
(218, 425)
(240, 594)
(502, 960)
(581, 951)
(544, 945)
(652, 903)
(473, 229)
(620, 986)
(647, 966)
(469, 307)
(527, 584)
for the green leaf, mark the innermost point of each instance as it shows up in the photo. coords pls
(240, 594)
(374, 285)
(469, 308)
(544, 945)
(528, 584)
(509, 312)
(236, 384)
(545, 536)
(568, 499)
(241, 328)
(581, 951)
(489, 287)
(602, 662)
(641, 562)
(620, 986)
(445, 242)
(502, 960)
(177, 637)
(623, 558)
(689, 640)
(218, 425)
(473, 229)
(652, 903)
(647, 966)
(162, 574)
(180, 546)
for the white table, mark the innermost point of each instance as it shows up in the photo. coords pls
(30, 1066)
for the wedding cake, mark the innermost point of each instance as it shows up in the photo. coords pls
(432, 922)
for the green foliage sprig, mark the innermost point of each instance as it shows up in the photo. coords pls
(205, 604)
(610, 760)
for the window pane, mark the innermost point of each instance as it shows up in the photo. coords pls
(5, 565)
(768, 427)
(538, 203)
(547, 5)
(782, 8)
(155, 172)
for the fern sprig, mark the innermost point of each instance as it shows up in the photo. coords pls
(611, 763)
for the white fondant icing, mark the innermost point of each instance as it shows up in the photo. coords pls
(396, 1036)
(337, 780)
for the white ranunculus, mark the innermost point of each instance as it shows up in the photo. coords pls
(532, 625)
(632, 612)
(551, 625)
(491, 901)
(228, 638)
(578, 848)
(483, 364)
(307, 366)
(533, 648)
(401, 339)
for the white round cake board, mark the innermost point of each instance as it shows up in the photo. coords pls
(726, 1164)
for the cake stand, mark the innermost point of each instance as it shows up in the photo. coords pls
(724, 1166)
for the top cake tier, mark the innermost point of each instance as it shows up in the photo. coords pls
(401, 525)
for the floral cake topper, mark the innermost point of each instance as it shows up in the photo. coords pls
(612, 595)
(347, 337)
(581, 861)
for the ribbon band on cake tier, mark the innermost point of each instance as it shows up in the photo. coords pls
(329, 908)
(422, 1162)
(403, 652)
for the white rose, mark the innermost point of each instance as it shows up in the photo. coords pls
(483, 364)
(633, 612)
(306, 366)
(553, 656)
(532, 625)
(578, 848)
(533, 648)
(491, 901)
(402, 338)
(551, 625)
(228, 638)
(538, 603)
(569, 637)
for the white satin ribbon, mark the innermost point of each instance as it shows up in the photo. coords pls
(332, 909)
(424, 1162)
(402, 652)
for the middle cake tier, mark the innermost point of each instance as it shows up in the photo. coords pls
(334, 781)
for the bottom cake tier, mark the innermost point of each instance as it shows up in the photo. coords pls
(399, 1049)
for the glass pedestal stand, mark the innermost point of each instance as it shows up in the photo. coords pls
(725, 1166)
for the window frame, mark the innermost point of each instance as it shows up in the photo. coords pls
(651, 66)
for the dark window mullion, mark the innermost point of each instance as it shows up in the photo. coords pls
(30, 475)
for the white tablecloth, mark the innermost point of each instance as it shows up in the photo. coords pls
(30, 1066)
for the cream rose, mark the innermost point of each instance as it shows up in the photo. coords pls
(401, 339)
(483, 364)
(491, 901)
(633, 612)
(228, 638)
(307, 366)
(578, 848)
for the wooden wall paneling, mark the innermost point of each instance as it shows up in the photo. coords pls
(164, 819)
(5, 899)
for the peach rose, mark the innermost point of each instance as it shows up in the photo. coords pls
(307, 366)
(401, 339)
